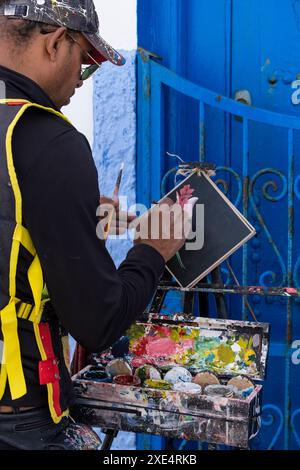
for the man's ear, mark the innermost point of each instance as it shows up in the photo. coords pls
(53, 41)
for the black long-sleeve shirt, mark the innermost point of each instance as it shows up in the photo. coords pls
(94, 301)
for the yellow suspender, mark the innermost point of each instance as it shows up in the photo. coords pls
(12, 368)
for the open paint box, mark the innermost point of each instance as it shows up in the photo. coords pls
(220, 411)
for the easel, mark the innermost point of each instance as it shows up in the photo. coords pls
(189, 299)
(110, 435)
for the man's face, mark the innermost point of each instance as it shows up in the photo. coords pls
(65, 58)
(49, 57)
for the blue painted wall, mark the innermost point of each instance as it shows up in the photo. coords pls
(227, 46)
(115, 135)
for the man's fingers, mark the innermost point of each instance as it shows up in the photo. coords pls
(120, 220)
(108, 201)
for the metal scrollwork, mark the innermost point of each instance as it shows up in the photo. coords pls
(226, 275)
(163, 186)
(293, 421)
(295, 274)
(225, 185)
(265, 190)
(264, 276)
(273, 412)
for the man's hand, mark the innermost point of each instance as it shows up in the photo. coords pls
(165, 228)
(119, 220)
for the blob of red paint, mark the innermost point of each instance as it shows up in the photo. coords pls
(127, 380)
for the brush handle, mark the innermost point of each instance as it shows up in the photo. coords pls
(118, 184)
(108, 225)
(115, 196)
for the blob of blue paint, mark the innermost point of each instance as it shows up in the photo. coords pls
(96, 375)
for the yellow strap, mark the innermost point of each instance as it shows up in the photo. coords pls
(13, 100)
(8, 315)
(27, 311)
(66, 351)
(10, 163)
(21, 310)
(3, 373)
(24, 310)
(12, 351)
(21, 234)
(13, 262)
(3, 378)
(35, 277)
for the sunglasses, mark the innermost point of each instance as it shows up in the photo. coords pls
(86, 72)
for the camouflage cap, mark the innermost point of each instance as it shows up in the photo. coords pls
(78, 15)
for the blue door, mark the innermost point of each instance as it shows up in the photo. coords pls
(222, 85)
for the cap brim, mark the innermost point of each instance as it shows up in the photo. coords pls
(102, 50)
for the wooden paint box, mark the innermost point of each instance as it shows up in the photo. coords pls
(225, 347)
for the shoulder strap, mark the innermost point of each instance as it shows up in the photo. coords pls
(13, 369)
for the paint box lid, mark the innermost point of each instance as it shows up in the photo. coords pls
(225, 347)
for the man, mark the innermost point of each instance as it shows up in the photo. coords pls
(48, 201)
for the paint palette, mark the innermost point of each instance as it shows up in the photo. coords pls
(223, 348)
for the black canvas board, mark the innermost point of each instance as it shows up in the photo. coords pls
(225, 230)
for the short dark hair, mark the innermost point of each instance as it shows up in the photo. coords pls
(20, 32)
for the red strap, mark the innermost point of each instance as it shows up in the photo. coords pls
(16, 103)
(48, 369)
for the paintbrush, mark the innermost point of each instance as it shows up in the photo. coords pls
(115, 196)
(118, 182)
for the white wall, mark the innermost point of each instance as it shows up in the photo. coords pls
(118, 22)
(80, 110)
(118, 26)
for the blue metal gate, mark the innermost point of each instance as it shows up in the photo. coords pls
(256, 152)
